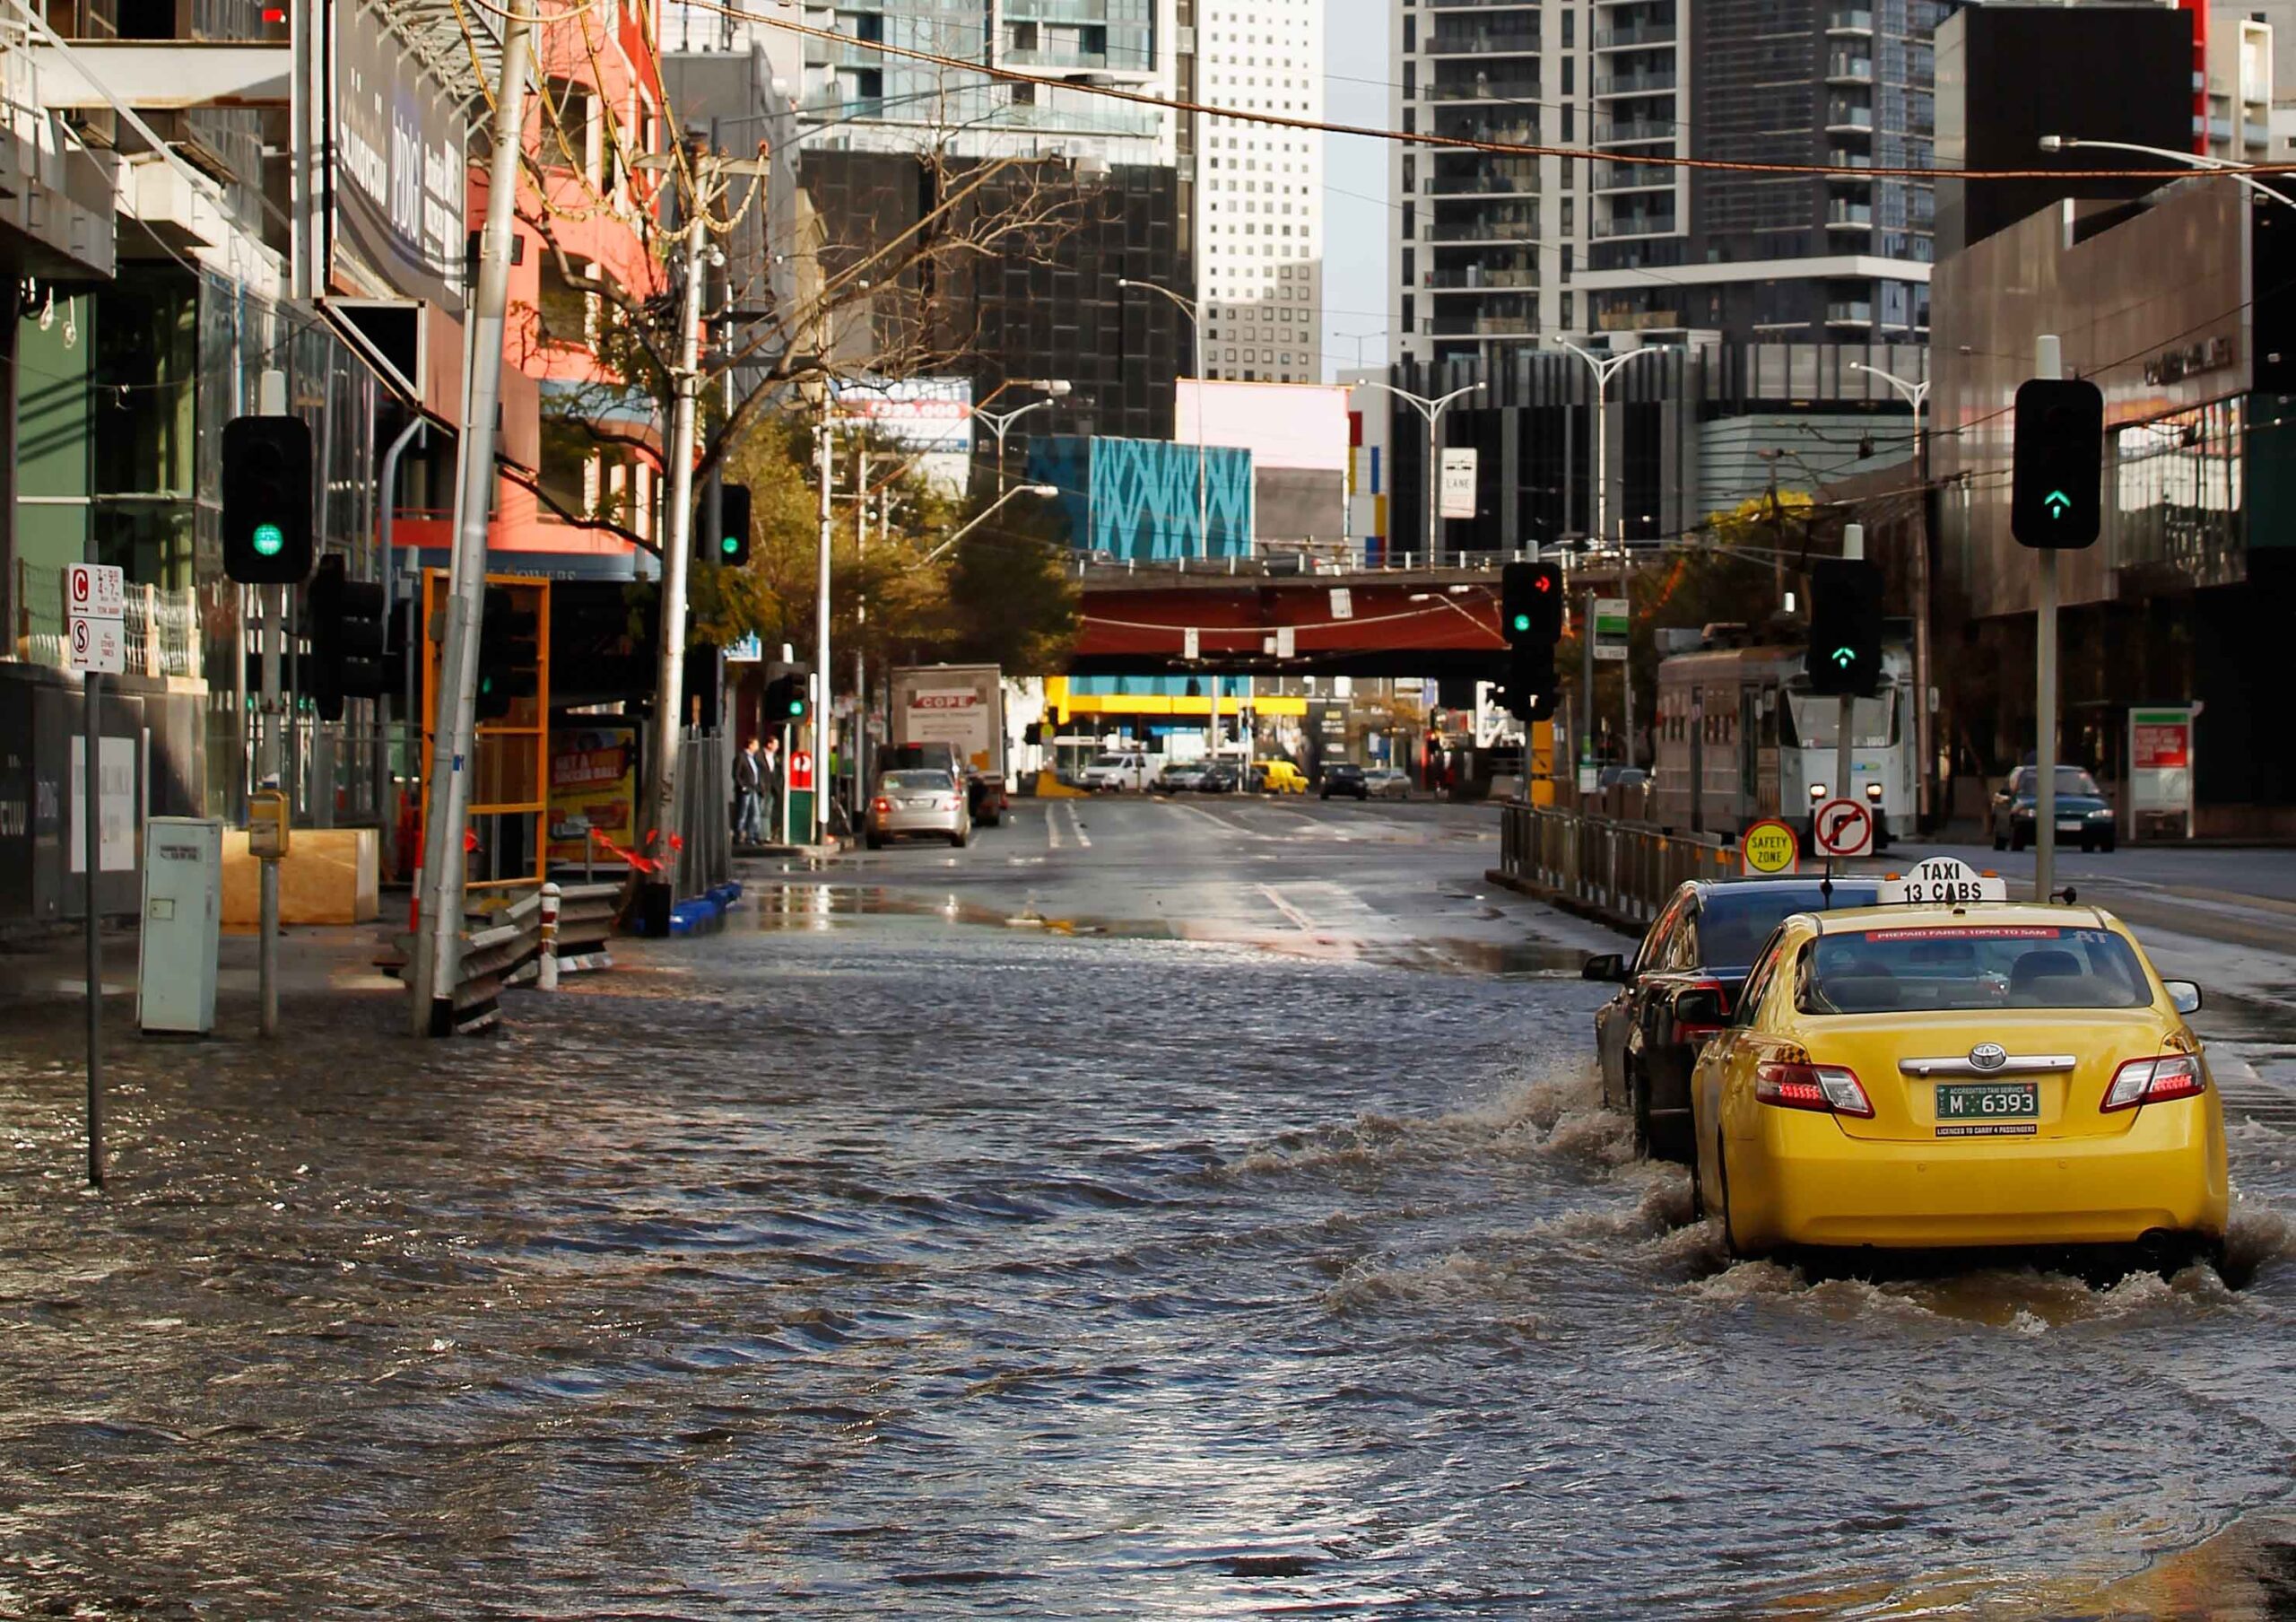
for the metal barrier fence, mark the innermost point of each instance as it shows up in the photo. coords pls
(1618, 871)
(705, 813)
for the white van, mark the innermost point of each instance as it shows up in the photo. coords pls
(1118, 769)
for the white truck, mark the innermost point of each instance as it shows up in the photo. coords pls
(961, 706)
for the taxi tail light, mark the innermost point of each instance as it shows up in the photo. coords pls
(2162, 1080)
(1829, 1089)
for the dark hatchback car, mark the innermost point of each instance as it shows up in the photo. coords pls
(1345, 777)
(1679, 987)
(1219, 778)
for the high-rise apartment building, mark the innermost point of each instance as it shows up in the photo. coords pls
(1498, 251)
(1259, 191)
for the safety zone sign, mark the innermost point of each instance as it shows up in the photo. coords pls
(1769, 847)
(1842, 827)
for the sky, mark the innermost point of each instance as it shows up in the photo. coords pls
(1357, 218)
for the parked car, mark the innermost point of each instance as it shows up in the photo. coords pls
(1278, 776)
(1387, 782)
(922, 802)
(1179, 776)
(2083, 811)
(1345, 777)
(1116, 769)
(1221, 777)
(1678, 989)
(1623, 777)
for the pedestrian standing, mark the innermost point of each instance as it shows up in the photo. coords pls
(770, 785)
(749, 808)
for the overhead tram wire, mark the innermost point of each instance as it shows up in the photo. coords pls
(1452, 142)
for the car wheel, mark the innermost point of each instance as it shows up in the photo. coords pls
(959, 840)
(1638, 1098)
(1673, 1139)
(2087, 845)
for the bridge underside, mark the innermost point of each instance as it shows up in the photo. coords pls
(1364, 625)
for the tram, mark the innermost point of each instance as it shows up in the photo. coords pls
(1741, 736)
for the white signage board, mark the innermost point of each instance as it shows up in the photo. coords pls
(1610, 628)
(95, 600)
(1842, 827)
(98, 646)
(96, 590)
(2160, 768)
(1943, 881)
(1456, 497)
(1343, 605)
(1191, 644)
(115, 805)
(748, 650)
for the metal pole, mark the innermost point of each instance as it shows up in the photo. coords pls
(1853, 545)
(669, 678)
(274, 630)
(91, 825)
(1923, 745)
(2050, 356)
(861, 617)
(438, 945)
(1587, 684)
(386, 709)
(1434, 485)
(820, 643)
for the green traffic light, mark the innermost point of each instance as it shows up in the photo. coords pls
(1845, 657)
(270, 540)
(797, 707)
(730, 545)
(1522, 622)
(2057, 502)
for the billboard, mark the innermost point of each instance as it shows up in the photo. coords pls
(593, 786)
(1288, 425)
(929, 419)
(393, 198)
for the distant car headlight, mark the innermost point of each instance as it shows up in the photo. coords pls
(2101, 813)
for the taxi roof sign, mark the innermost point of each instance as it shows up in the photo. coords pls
(1941, 881)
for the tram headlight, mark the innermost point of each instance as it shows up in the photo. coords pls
(1874, 792)
(1817, 792)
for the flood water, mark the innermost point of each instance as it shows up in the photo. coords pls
(904, 1265)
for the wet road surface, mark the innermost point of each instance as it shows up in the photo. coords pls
(881, 1256)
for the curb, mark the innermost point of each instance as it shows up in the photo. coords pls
(1564, 904)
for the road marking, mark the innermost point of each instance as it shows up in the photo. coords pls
(1052, 826)
(1300, 920)
(1076, 827)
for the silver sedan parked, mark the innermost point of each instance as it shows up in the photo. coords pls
(1385, 782)
(913, 803)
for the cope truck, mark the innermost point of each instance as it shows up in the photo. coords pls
(961, 706)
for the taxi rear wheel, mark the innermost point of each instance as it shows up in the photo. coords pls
(1722, 1170)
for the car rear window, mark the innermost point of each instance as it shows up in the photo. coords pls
(915, 780)
(1973, 966)
(1733, 920)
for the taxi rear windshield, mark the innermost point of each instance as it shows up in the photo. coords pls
(2005, 966)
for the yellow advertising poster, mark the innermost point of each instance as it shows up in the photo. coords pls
(592, 777)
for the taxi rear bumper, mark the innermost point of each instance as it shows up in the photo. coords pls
(1801, 1180)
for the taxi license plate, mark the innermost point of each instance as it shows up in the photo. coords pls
(1987, 1109)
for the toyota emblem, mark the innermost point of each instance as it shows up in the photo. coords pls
(1988, 1056)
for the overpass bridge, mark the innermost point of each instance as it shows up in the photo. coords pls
(1277, 616)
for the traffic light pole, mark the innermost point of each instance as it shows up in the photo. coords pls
(437, 967)
(273, 401)
(2049, 356)
(1853, 545)
(669, 681)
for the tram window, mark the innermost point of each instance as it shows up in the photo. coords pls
(1807, 721)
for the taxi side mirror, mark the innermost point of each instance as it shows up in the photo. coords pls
(1609, 966)
(2183, 995)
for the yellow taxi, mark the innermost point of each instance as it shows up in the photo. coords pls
(1278, 776)
(1950, 1070)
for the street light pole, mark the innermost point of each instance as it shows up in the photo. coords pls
(1195, 313)
(1432, 410)
(2200, 161)
(1605, 369)
(1043, 492)
(998, 421)
(1916, 395)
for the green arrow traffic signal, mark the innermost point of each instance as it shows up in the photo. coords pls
(2057, 502)
(1845, 657)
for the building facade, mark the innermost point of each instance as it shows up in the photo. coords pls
(1260, 192)
(1497, 252)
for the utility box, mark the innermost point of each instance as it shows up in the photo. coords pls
(183, 920)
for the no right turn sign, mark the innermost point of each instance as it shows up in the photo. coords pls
(1842, 827)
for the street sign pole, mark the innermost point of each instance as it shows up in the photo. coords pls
(274, 629)
(2051, 358)
(92, 821)
(1853, 545)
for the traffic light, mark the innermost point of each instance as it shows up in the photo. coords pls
(732, 541)
(509, 654)
(2059, 462)
(345, 625)
(1530, 604)
(785, 692)
(267, 501)
(1845, 654)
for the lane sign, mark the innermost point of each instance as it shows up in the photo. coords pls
(1842, 827)
(1769, 847)
(1943, 880)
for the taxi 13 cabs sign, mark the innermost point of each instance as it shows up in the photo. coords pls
(1943, 881)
